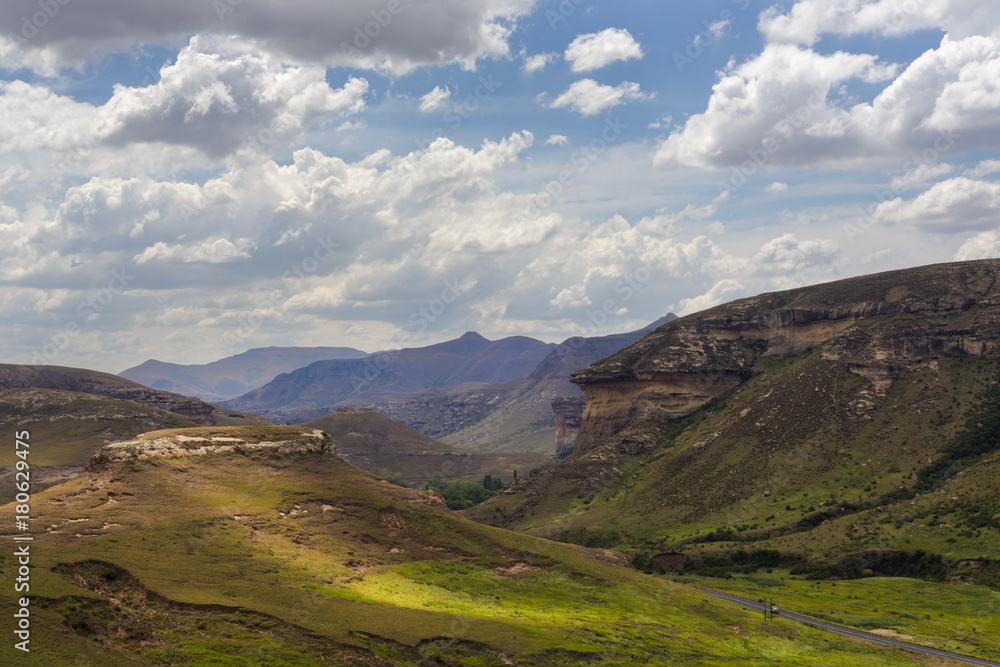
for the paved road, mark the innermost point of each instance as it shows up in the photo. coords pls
(858, 634)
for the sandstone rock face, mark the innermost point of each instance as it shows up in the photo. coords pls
(568, 413)
(875, 325)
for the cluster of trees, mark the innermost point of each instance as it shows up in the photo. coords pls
(460, 495)
(491, 483)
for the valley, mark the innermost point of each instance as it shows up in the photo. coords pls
(270, 549)
(834, 447)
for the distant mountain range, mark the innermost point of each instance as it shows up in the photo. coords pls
(512, 416)
(322, 386)
(232, 376)
(468, 391)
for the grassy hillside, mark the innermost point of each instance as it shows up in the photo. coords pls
(72, 412)
(963, 618)
(740, 470)
(69, 426)
(861, 439)
(265, 557)
(111, 386)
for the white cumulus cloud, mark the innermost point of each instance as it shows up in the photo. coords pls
(537, 62)
(590, 98)
(596, 50)
(213, 252)
(720, 293)
(955, 204)
(985, 245)
(922, 173)
(781, 101)
(435, 99)
(984, 168)
(808, 20)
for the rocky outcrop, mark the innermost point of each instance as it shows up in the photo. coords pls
(192, 409)
(193, 442)
(612, 405)
(568, 413)
(875, 325)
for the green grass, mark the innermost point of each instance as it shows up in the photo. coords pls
(255, 555)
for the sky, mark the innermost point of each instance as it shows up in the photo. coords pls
(185, 181)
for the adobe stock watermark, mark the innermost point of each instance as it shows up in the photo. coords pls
(223, 7)
(713, 32)
(866, 218)
(563, 11)
(32, 24)
(267, 308)
(578, 163)
(86, 310)
(760, 157)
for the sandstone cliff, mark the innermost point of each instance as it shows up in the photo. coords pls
(568, 413)
(875, 326)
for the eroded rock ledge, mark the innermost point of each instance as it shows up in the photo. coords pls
(201, 442)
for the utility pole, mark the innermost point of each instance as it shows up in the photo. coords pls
(768, 604)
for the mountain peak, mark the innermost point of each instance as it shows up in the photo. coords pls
(669, 317)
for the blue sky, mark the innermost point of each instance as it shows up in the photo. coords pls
(184, 181)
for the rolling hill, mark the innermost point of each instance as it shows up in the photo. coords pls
(259, 545)
(374, 442)
(74, 411)
(232, 376)
(111, 386)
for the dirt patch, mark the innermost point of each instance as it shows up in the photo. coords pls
(391, 523)
(517, 568)
(886, 632)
